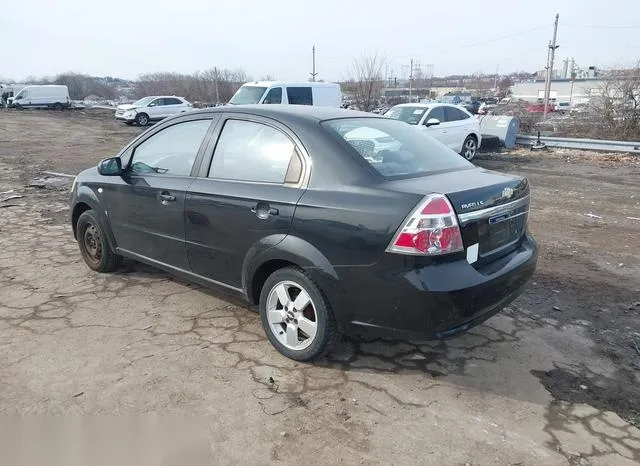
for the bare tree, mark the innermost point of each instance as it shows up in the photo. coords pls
(616, 104)
(215, 85)
(504, 87)
(366, 81)
(82, 85)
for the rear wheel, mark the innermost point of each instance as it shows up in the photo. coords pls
(58, 106)
(296, 315)
(142, 119)
(93, 244)
(469, 147)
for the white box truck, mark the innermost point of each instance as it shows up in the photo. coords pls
(47, 96)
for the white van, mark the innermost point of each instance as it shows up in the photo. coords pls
(48, 96)
(272, 92)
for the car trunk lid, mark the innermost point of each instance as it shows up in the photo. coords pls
(491, 207)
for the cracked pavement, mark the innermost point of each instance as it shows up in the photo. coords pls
(530, 386)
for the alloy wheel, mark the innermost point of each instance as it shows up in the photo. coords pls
(292, 315)
(470, 148)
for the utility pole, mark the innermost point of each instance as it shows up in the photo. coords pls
(215, 70)
(495, 80)
(411, 81)
(313, 73)
(552, 53)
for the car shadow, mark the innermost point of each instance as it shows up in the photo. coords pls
(517, 354)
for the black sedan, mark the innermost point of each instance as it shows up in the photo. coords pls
(331, 221)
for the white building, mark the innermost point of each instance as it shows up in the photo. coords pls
(562, 90)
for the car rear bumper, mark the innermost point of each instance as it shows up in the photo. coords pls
(432, 301)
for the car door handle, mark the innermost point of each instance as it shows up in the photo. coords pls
(166, 197)
(263, 211)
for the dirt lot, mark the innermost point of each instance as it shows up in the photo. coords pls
(554, 379)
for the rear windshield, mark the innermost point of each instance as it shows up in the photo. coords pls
(411, 115)
(394, 148)
(248, 95)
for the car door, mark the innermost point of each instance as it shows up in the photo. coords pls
(244, 197)
(146, 205)
(173, 106)
(156, 109)
(456, 127)
(436, 131)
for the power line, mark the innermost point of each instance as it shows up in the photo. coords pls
(593, 26)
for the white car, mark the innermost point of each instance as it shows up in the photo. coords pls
(562, 107)
(451, 125)
(152, 108)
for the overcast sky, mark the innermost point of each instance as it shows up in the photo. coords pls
(126, 38)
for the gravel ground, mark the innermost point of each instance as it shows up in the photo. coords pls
(554, 379)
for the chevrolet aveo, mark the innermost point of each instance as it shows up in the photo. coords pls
(330, 221)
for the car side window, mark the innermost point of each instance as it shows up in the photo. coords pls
(250, 151)
(455, 114)
(171, 101)
(436, 112)
(274, 96)
(171, 151)
(300, 95)
(156, 103)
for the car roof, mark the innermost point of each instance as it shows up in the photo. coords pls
(291, 112)
(290, 83)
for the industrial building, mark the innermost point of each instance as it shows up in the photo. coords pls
(562, 90)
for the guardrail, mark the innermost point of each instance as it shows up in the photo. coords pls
(584, 144)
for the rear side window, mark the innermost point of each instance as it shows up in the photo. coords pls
(274, 96)
(454, 114)
(172, 101)
(250, 151)
(300, 95)
(393, 148)
(171, 151)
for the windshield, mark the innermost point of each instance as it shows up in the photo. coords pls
(143, 102)
(248, 95)
(411, 115)
(393, 148)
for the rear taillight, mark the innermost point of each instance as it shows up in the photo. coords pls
(431, 229)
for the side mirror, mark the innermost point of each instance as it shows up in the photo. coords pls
(152, 104)
(110, 167)
(432, 122)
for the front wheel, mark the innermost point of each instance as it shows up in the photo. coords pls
(469, 147)
(296, 315)
(93, 244)
(142, 119)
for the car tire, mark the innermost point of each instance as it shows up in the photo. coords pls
(58, 106)
(302, 332)
(142, 119)
(469, 147)
(93, 244)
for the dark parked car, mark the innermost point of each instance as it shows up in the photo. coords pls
(305, 213)
(471, 107)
